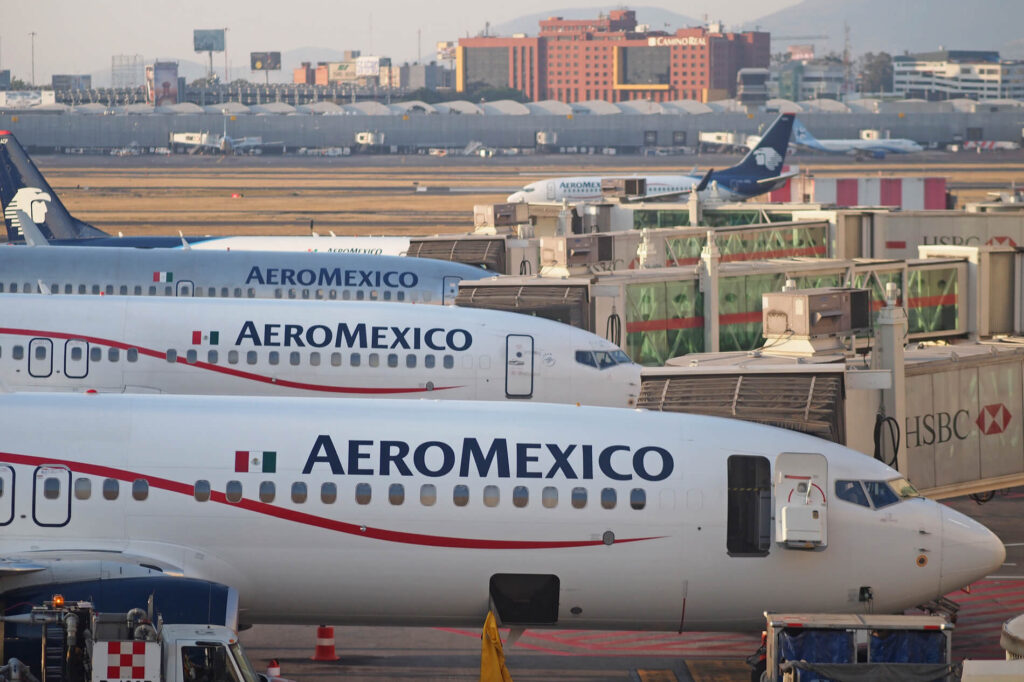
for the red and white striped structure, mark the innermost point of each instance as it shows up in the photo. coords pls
(127, 661)
(908, 193)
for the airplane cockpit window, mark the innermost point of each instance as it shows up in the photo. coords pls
(602, 359)
(111, 488)
(83, 488)
(585, 357)
(881, 494)
(903, 488)
(851, 491)
(201, 491)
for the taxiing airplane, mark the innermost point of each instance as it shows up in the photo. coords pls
(862, 148)
(266, 347)
(759, 172)
(231, 274)
(22, 187)
(430, 513)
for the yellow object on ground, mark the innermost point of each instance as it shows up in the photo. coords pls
(492, 657)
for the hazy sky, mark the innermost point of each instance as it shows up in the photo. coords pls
(80, 36)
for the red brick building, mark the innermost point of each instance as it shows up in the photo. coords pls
(614, 59)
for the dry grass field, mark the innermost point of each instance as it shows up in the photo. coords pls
(378, 195)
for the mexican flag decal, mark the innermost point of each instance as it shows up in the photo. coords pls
(163, 276)
(212, 338)
(255, 461)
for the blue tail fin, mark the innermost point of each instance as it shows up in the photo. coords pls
(22, 187)
(766, 159)
(802, 136)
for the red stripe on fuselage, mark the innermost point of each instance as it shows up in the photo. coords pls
(250, 376)
(305, 519)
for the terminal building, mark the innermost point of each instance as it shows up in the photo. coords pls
(952, 74)
(612, 58)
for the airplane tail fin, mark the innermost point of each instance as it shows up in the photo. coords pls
(25, 193)
(802, 136)
(765, 160)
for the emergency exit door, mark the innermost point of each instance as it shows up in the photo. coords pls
(801, 500)
(184, 288)
(51, 496)
(518, 366)
(40, 358)
(6, 494)
(76, 358)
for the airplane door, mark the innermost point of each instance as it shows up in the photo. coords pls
(450, 289)
(76, 358)
(40, 358)
(801, 500)
(549, 187)
(6, 495)
(51, 496)
(518, 366)
(184, 288)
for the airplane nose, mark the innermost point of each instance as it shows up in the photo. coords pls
(515, 198)
(970, 551)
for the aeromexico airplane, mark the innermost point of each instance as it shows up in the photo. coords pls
(266, 347)
(23, 187)
(231, 274)
(760, 171)
(861, 148)
(343, 511)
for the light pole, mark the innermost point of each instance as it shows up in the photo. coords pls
(33, 35)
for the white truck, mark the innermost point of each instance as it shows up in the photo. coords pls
(80, 644)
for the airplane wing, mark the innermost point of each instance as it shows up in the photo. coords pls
(699, 187)
(778, 178)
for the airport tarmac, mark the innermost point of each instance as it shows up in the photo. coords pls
(395, 653)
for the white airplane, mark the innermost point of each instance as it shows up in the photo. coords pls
(231, 274)
(266, 347)
(23, 187)
(429, 513)
(759, 172)
(862, 148)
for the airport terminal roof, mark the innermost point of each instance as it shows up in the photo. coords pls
(505, 107)
(459, 106)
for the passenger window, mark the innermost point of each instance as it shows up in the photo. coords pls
(51, 488)
(396, 493)
(360, 295)
(449, 361)
(387, 295)
(232, 357)
(579, 498)
(354, 360)
(851, 491)
(460, 495)
(277, 293)
(298, 492)
(95, 353)
(233, 491)
(637, 498)
(140, 489)
(305, 293)
(238, 292)
(267, 491)
(400, 296)
(410, 361)
(314, 359)
(328, 493)
(68, 289)
(83, 488)
(363, 493)
(608, 498)
(191, 356)
(291, 293)
(426, 297)
(428, 361)
(251, 292)
(18, 352)
(335, 359)
(81, 288)
(373, 295)
(224, 292)
(250, 357)
(392, 359)
(76, 353)
(211, 357)
(110, 290)
(14, 287)
(294, 357)
(110, 488)
(428, 494)
(172, 355)
(881, 494)
(491, 495)
(333, 294)
(95, 289)
(211, 292)
(123, 290)
(41, 352)
(273, 357)
(138, 290)
(320, 293)
(168, 291)
(346, 295)
(113, 354)
(374, 360)
(201, 491)
(549, 497)
(520, 496)
(132, 355)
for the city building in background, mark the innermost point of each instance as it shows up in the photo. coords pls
(5, 79)
(71, 82)
(954, 74)
(804, 77)
(612, 58)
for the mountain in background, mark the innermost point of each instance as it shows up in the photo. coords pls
(895, 26)
(657, 18)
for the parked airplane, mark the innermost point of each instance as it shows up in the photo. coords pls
(230, 274)
(22, 187)
(862, 148)
(429, 513)
(760, 171)
(265, 347)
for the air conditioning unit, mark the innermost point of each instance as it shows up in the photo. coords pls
(808, 322)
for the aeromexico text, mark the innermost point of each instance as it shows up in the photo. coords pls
(379, 337)
(332, 277)
(498, 457)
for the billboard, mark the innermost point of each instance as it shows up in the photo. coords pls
(370, 66)
(445, 50)
(208, 40)
(265, 61)
(165, 83)
(341, 72)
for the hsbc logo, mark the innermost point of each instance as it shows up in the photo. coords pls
(1001, 241)
(993, 419)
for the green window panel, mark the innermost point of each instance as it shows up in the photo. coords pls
(684, 250)
(739, 308)
(932, 300)
(663, 320)
(875, 282)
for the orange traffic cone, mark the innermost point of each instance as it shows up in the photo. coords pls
(324, 645)
(273, 669)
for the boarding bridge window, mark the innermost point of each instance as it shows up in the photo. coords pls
(273, 357)
(172, 355)
(410, 361)
(335, 359)
(374, 360)
(140, 489)
(95, 354)
(251, 357)
(267, 492)
(191, 356)
(111, 488)
(51, 488)
(132, 355)
(881, 494)
(123, 290)
(396, 493)
(491, 495)
(520, 496)
(429, 362)
(608, 498)
(579, 498)
(201, 491)
(392, 359)
(449, 361)
(750, 506)
(549, 497)
(83, 488)
(363, 493)
(428, 494)
(328, 493)
(299, 493)
(233, 491)
(460, 495)
(232, 357)
(211, 357)
(637, 498)
(314, 359)
(113, 354)
(18, 352)
(851, 491)
(294, 358)
(355, 359)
